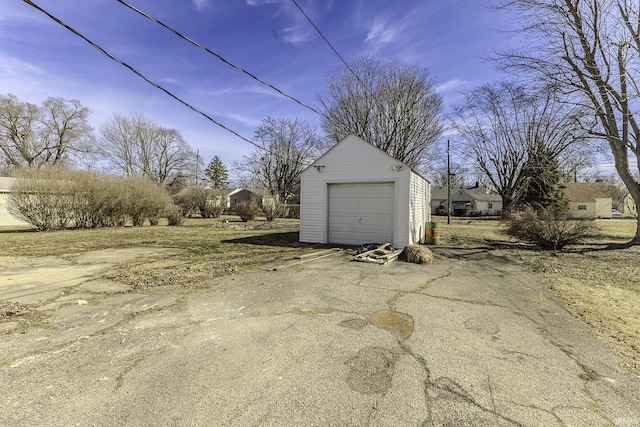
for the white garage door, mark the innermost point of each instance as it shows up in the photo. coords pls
(361, 213)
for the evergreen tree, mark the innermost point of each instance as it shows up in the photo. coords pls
(217, 173)
(543, 181)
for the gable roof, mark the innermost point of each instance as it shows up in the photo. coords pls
(586, 191)
(254, 191)
(482, 193)
(354, 139)
(479, 193)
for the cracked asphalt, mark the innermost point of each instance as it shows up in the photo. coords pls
(471, 340)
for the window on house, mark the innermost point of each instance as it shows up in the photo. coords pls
(582, 207)
(490, 205)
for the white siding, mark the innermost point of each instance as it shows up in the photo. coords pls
(6, 219)
(419, 202)
(361, 213)
(353, 161)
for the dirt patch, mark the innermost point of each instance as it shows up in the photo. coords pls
(19, 316)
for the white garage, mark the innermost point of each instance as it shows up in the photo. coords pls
(355, 193)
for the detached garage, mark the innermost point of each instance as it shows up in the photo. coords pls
(356, 193)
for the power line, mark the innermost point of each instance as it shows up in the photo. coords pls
(139, 74)
(200, 46)
(336, 52)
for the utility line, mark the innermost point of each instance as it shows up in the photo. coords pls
(139, 74)
(200, 46)
(366, 88)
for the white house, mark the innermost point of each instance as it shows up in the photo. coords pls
(6, 218)
(356, 193)
(588, 200)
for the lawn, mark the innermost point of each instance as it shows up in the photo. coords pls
(204, 248)
(598, 280)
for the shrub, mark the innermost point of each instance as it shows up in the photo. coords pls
(206, 201)
(174, 215)
(247, 210)
(216, 204)
(272, 207)
(441, 211)
(56, 198)
(548, 228)
(292, 211)
(43, 197)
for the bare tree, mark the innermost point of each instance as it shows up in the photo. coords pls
(55, 133)
(591, 49)
(136, 146)
(288, 146)
(503, 124)
(391, 105)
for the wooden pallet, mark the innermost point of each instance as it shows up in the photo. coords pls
(381, 255)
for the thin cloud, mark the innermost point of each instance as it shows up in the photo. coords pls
(245, 120)
(201, 4)
(381, 33)
(260, 90)
(295, 35)
(450, 85)
(261, 2)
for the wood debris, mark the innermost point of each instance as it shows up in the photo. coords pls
(383, 254)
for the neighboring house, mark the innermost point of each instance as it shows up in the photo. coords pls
(356, 193)
(465, 200)
(588, 200)
(6, 219)
(240, 195)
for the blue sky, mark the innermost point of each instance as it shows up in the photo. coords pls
(269, 38)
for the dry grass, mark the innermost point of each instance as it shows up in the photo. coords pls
(204, 251)
(599, 280)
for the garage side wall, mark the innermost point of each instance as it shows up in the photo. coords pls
(420, 207)
(351, 161)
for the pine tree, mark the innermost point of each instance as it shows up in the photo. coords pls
(217, 173)
(544, 182)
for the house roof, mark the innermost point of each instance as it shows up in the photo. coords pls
(479, 193)
(482, 193)
(586, 191)
(240, 190)
(6, 183)
(356, 137)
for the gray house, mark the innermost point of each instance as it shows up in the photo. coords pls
(465, 200)
(240, 195)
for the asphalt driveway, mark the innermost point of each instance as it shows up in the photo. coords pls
(471, 340)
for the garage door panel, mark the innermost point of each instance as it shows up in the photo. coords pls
(361, 213)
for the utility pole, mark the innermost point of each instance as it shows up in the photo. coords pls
(448, 182)
(197, 164)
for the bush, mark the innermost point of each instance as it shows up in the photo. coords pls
(247, 210)
(548, 228)
(56, 198)
(215, 203)
(292, 211)
(206, 201)
(272, 207)
(43, 197)
(174, 215)
(441, 211)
